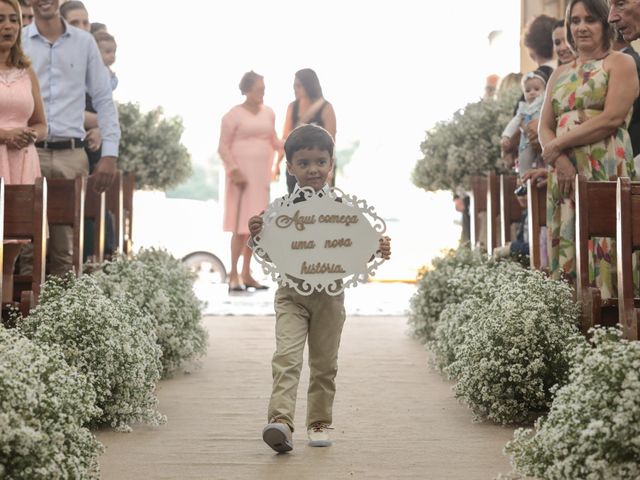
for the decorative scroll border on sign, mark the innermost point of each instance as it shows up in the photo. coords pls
(301, 285)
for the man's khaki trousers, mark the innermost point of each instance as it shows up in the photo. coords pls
(58, 164)
(318, 317)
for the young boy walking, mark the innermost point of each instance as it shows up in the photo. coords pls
(318, 317)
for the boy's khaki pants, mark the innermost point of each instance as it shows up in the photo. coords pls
(319, 317)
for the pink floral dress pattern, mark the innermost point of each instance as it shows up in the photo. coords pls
(578, 95)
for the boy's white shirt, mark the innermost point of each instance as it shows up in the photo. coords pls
(297, 189)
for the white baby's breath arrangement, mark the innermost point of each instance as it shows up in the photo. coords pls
(468, 144)
(434, 292)
(109, 339)
(475, 287)
(450, 332)
(163, 287)
(517, 349)
(43, 405)
(593, 428)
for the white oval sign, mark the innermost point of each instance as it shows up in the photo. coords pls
(313, 241)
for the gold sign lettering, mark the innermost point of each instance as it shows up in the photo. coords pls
(284, 221)
(303, 244)
(338, 242)
(345, 219)
(319, 268)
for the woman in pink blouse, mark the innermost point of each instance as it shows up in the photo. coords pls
(248, 142)
(22, 117)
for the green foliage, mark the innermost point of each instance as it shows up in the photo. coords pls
(344, 156)
(108, 339)
(150, 147)
(201, 185)
(161, 286)
(467, 145)
(43, 405)
(593, 428)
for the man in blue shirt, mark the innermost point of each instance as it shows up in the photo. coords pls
(68, 65)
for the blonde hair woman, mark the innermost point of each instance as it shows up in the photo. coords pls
(22, 117)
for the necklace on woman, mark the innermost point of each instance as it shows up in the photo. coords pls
(594, 58)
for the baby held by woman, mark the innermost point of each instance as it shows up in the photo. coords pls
(533, 86)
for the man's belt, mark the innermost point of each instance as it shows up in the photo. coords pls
(61, 144)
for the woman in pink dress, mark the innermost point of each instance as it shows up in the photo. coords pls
(248, 142)
(22, 118)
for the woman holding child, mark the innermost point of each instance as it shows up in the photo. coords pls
(583, 130)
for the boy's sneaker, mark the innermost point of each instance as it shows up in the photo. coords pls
(278, 436)
(318, 434)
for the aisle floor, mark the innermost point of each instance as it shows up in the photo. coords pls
(394, 417)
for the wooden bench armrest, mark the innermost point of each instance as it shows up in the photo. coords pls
(14, 241)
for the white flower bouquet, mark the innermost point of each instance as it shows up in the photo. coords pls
(434, 292)
(518, 348)
(475, 287)
(109, 340)
(43, 405)
(593, 428)
(163, 287)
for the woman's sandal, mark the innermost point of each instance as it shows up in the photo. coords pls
(256, 286)
(237, 288)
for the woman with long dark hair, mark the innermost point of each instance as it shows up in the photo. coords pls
(311, 107)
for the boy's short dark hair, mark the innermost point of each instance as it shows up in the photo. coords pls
(308, 136)
(102, 36)
(538, 35)
(66, 7)
(97, 27)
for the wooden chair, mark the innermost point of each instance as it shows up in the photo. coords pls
(627, 240)
(115, 206)
(25, 214)
(2, 282)
(477, 208)
(595, 217)
(128, 184)
(536, 219)
(493, 212)
(94, 210)
(65, 206)
(510, 209)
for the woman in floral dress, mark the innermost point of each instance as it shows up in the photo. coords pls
(583, 129)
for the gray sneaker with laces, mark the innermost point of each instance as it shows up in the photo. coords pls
(278, 436)
(318, 434)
